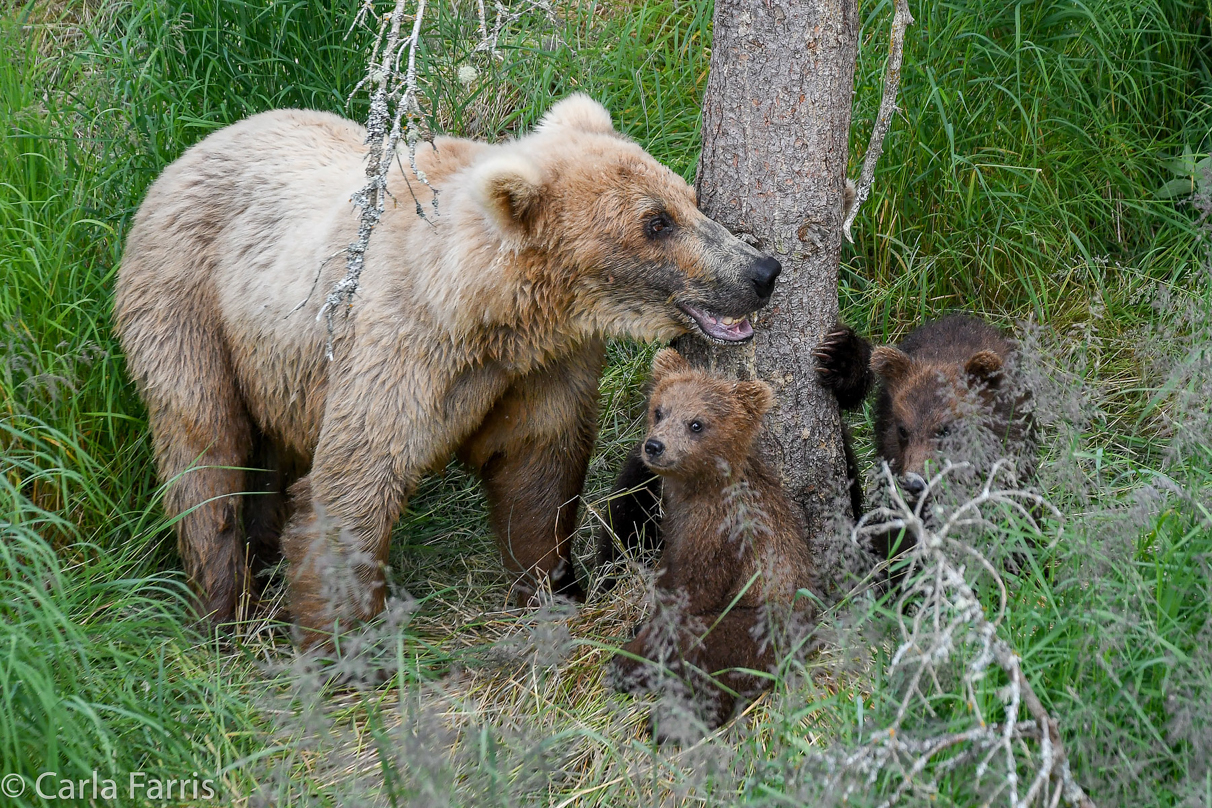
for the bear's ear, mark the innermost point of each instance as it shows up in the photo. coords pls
(984, 366)
(755, 397)
(579, 112)
(668, 362)
(510, 188)
(890, 364)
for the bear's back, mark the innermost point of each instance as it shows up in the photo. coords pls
(955, 338)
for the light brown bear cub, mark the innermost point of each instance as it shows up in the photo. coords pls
(477, 332)
(734, 553)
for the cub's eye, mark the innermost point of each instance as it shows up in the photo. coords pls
(943, 431)
(658, 225)
(902, 433)
(657, 415)
(696, 426)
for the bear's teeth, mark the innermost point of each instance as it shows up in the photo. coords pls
(729, 321)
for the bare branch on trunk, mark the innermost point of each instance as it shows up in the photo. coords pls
(901, 19)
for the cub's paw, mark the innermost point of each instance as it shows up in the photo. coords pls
(843, 365)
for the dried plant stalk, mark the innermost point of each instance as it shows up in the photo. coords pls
(395, 112)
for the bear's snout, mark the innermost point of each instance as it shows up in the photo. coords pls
(763, 273)
(653, 448)
(914, 485)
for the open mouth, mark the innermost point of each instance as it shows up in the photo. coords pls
(724, 329)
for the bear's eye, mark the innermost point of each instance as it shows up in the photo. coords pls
(658, 225)
(696, 426)
(657, 415)
(902, 433)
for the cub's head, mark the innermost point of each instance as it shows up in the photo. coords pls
(931, 409)
(700, 425)
(622, 232)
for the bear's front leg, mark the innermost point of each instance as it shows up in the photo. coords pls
(336, 548)
(337, 539)
(532, 452)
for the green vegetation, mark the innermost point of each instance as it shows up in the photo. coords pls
(1036, 173)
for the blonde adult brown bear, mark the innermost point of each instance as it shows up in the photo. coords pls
(478, 333)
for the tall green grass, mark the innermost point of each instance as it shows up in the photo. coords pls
(1033, 141)
(1023, 178)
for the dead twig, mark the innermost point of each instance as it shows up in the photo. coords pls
(901, 19)
(395, 112)
(938, 613)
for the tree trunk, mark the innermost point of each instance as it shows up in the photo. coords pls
(776, 121)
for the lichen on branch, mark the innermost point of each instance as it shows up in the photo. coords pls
(395, 113)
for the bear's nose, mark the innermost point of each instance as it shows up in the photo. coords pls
(914, 484)
(653, 447)
(764, 273)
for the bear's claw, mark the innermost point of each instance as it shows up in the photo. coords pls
(843, 365)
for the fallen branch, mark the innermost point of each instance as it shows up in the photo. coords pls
(901, 19)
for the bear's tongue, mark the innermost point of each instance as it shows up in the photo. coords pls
(714, 326)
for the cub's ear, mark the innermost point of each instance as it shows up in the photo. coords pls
(579, 112)
(755, 397)
(510, 188)
(890, 364)
(668, 362)
(984, 366)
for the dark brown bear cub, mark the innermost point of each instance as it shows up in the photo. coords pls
(734, 551)
(950, 389)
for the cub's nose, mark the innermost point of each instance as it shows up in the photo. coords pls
(653, 447)
(914, 484)
(764, 273)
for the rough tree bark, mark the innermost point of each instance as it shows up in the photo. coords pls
(776, 120)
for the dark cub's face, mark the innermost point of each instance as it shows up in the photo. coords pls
(700, 425)
(933, 410)
(924, 413)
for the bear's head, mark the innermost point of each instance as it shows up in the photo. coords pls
(585, 207)
(934, 409)
(700, 426)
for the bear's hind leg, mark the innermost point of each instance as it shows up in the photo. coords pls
(201, 438)
(532, 452)
(532, 494)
